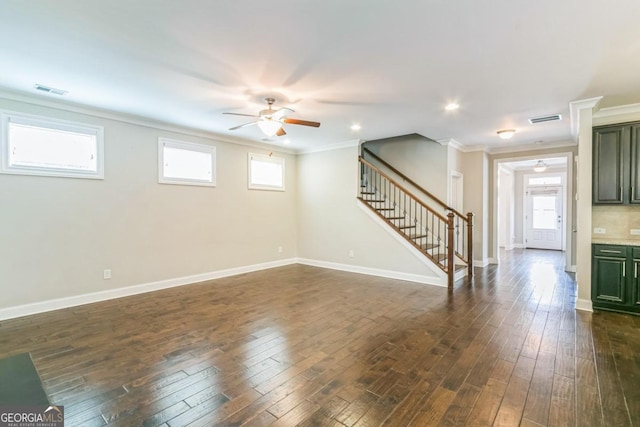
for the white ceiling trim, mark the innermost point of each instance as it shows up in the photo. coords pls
(131, 119)
(583, 104)
(338, 146)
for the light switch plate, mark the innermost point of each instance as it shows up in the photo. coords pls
(599, 230)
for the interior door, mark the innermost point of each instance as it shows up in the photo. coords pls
(544, 218)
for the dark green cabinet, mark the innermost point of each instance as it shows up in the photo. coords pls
(616, 164)
(614, 278)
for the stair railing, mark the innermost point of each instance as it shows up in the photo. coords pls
(441, 236)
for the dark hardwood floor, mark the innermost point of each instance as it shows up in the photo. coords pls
(315, 347)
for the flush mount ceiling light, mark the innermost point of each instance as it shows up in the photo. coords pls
(452, 106)
(506, 133)
(540, 166)
(356, 126)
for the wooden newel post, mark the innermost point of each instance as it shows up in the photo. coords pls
(470, 243)
(450, 249)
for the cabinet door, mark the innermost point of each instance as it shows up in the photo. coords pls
(608, 174)
(636, 282)
(634, 181)
(609, 279)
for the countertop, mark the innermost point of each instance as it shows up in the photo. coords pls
(601, 241)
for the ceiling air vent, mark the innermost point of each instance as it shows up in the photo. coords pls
(551, 118)
(48, 89)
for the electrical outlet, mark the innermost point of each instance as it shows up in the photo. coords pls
(599, 230)
(635, 231)
(279, 249)
(107, 274)
(351, 255)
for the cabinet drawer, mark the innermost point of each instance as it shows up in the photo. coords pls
(611, 250)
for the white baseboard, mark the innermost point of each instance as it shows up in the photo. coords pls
(418, 278)
(493, 261)
(518, 246)
(571, 269)
(481, 263)
(56, 304)
(584, 305)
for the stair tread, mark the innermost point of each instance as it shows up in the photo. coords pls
(374, 200)
(385, 209)
(460, 267)
(394, 217)
(427, 246)
(417, 236)
(367, 192)
(403, 227)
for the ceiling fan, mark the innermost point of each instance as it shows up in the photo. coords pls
(271, 121)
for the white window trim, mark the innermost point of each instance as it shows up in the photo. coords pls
(184, 145)
(269, 159)
(50, 123)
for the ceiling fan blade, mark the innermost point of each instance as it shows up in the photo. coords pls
(244, 125)
(281, 113)
(239, 114)
(302, 122)
(281, 132)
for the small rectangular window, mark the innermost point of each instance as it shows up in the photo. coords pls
(266, 172)
(32, 145)
(546, 180)
(186, 163)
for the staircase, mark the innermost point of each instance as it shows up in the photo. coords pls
(442, 234)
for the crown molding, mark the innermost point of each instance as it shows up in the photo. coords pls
(531, 147)
(331, 147)
(576, 106)
(450, 142)
(72, 107)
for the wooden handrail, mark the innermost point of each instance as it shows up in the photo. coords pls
(412, 182)
(409, 193)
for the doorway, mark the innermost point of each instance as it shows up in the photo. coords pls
(544, 218)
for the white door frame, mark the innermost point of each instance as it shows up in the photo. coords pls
(494, 253)
(456, 179)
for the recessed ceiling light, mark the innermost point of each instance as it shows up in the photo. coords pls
(506, 133)
(452, 106)
(286, 142)
(356, 126)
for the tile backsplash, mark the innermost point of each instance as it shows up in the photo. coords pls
(617, 221)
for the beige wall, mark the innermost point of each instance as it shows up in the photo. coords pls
(419, 158)
(475, 167)
(331, 223)
(57, 235)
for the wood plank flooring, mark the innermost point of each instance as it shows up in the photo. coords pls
(300, 345)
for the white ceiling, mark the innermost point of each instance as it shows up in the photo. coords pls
(389, 66)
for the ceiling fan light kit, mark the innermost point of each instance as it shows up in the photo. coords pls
(269, 126)
(271, 121)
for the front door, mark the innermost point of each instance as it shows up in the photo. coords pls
(544, 218)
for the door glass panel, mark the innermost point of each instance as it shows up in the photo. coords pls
(544, 212)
